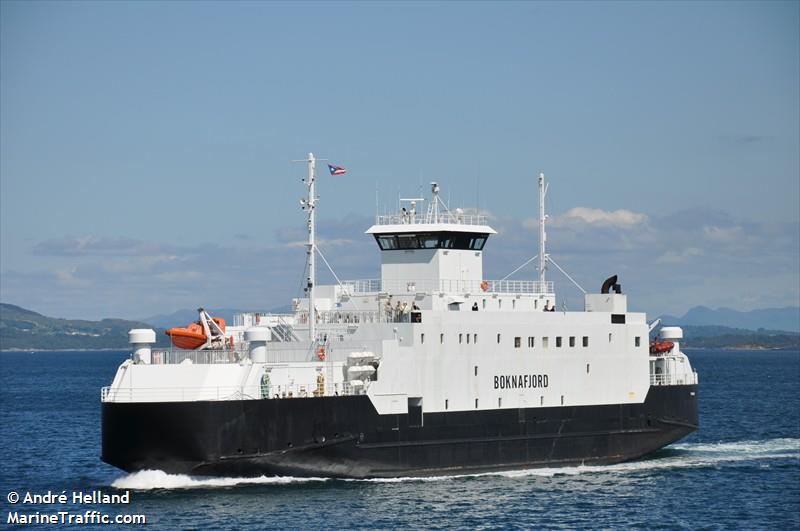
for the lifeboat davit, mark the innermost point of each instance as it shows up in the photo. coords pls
(193, 336)
(660, 347)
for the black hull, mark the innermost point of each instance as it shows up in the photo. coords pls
(345, 437)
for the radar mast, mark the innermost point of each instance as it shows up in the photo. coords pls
(542, 234)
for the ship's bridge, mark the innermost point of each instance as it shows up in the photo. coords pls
(393, 236)
(434, 245)
(430, 260)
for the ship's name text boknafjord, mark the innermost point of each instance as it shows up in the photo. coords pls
(520, 381)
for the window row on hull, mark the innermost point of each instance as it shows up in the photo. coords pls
(432, 240)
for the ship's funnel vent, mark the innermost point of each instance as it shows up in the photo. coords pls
(611, 283)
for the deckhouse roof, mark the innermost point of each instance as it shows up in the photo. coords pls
(397, 228)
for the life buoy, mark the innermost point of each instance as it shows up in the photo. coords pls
(321, 353)
(485, 286)
(230, 341)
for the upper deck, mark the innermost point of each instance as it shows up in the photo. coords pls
(437, 217)
(454, 218)
(440, 222)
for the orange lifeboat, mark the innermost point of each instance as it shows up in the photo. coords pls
(192, 336)
(660, 347)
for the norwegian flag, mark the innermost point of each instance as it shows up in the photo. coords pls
(336, 170)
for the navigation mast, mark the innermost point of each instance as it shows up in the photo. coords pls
(312, 222)
(309, 204)
(542, 235)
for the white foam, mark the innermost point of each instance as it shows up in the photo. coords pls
(157, 479)
(748, 447)
(691, 455)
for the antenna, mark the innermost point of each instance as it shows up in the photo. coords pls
(435, 201)
(542, 233)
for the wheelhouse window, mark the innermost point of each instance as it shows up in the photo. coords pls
(387, 242)
(428, 241)
(407, 241)
(432, 240)
(476, 243)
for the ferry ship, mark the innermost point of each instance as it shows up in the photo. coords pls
(430, 370)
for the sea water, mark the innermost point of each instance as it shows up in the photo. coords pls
(741, 470)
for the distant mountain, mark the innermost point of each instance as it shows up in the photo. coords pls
(185, 316)
(694, 331)
(738, 338)
(787, 318)
(28, 330)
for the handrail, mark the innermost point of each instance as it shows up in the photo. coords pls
(674, 379)
(222, 393)
(363, 286)
(178, 394)
(444, 217)
(200, 357)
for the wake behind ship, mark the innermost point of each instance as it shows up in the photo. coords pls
(431, 369)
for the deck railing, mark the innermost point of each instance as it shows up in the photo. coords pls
(341, 317)
(363, 286)
(673, 379)
(219, 393)
(202, 357)
(427, 217)
(178, 394)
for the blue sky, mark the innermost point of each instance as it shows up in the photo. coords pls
(145, 147)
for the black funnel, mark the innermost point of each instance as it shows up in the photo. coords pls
(611, 282)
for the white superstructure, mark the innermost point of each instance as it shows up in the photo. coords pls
(432, 333)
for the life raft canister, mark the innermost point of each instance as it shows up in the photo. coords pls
(485, 286)
(321, 353)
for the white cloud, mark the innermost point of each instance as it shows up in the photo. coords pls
(679, 257)
(722, 234)
(70, 279)
(621, 218)
(701, 256)
(321, 242)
